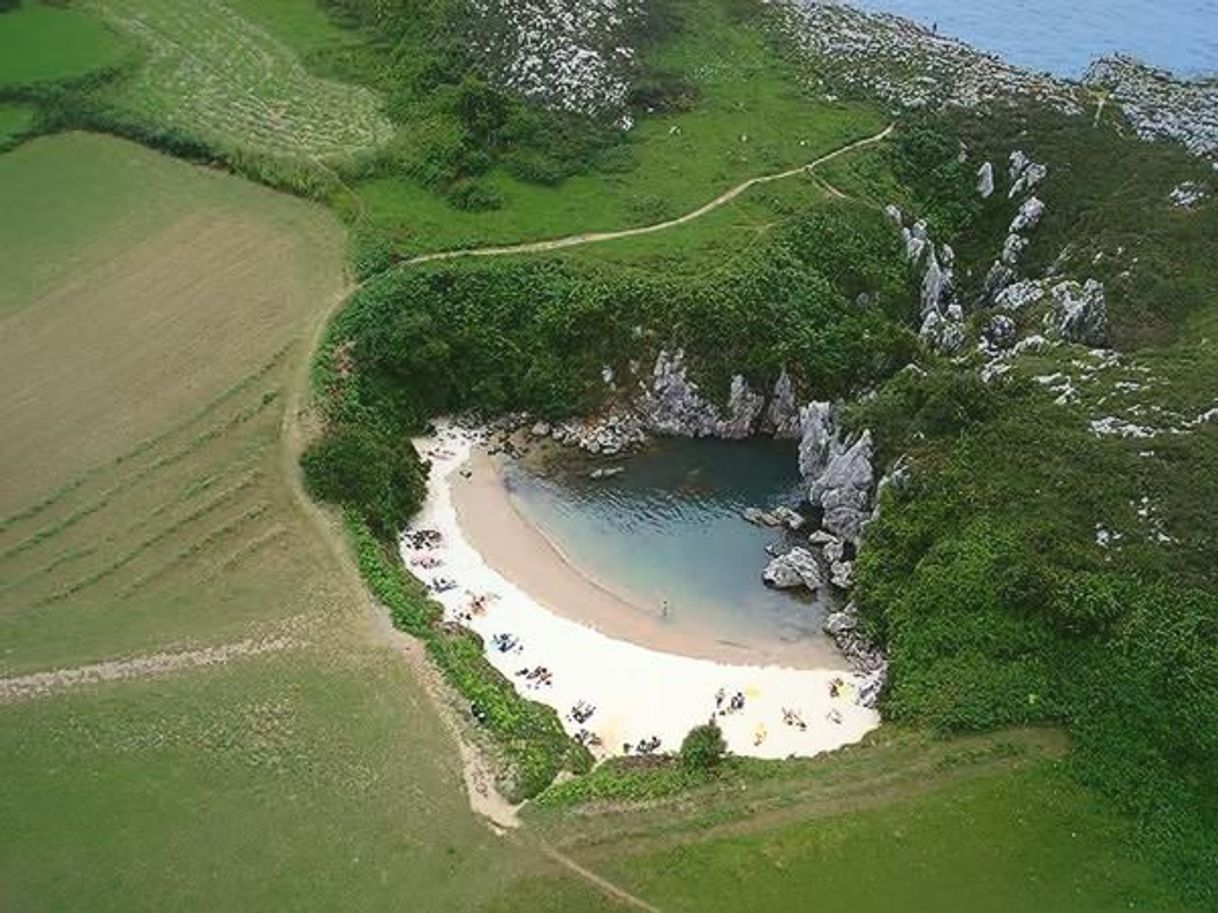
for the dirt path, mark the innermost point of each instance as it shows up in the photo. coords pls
(531, 247)
(602, 884)
(43, 684)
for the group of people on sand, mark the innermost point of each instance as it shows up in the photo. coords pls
(506, 643)
(644, 747)
(537, 677)
(734, 705)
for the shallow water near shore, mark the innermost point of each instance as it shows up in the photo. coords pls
(1063, 38)
(666, 534)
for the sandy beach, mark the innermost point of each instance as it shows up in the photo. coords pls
(510, 544)
(497, 574)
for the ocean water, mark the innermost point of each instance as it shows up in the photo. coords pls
(669, 530)
(1063, 36)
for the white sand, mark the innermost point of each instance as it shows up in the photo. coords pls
(638, 692)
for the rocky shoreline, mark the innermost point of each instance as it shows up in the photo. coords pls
(910, 66)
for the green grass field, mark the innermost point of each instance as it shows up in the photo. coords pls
(753, 117)
(307, 771)
(41, 43)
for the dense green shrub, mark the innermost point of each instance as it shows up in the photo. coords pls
(703, 747)
(353, 467)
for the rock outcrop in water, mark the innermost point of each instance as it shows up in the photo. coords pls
(796, 568)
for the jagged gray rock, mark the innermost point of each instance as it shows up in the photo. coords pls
(796, 568)
(932, 283)
(1017, 296)
(843, 490)
(1032, 175)
(894, 214)
(1028, 216)
(985, 180)
(841, 574)
(1017, 161)
(1013, 248)
(1000, 332)
(782, 416)
(1158, 105)
(789, 518)
(743, 409)
(816, 436)
(672, 403)
(941, 333)
(1081, 312)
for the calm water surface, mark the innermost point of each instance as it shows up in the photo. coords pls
(1063, 36)
(669, 529)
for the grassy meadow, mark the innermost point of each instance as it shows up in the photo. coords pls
(752, 117)
(147, 509)
(41, 43)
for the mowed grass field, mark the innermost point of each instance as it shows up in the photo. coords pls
(194, 713)
(41, 43)
(212, 74)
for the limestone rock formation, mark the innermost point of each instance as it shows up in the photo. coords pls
(843, 489)
(1000, 332)
(985, 180)
(1028, 216)
(1081, 313)
(782, 415)
(816, 437)
(1019, 295)
(743, 409)
(796, 568)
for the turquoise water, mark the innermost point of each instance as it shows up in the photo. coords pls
(1063, 37)
(669, 530)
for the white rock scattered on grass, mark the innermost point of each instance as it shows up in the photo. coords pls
(1081, 312)
(569, 55)
(1028, 216)
(1018, 295)
(1159, 106)
(1187, 195)
(985, 180)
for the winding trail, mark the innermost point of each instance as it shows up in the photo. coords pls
(531, 247)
